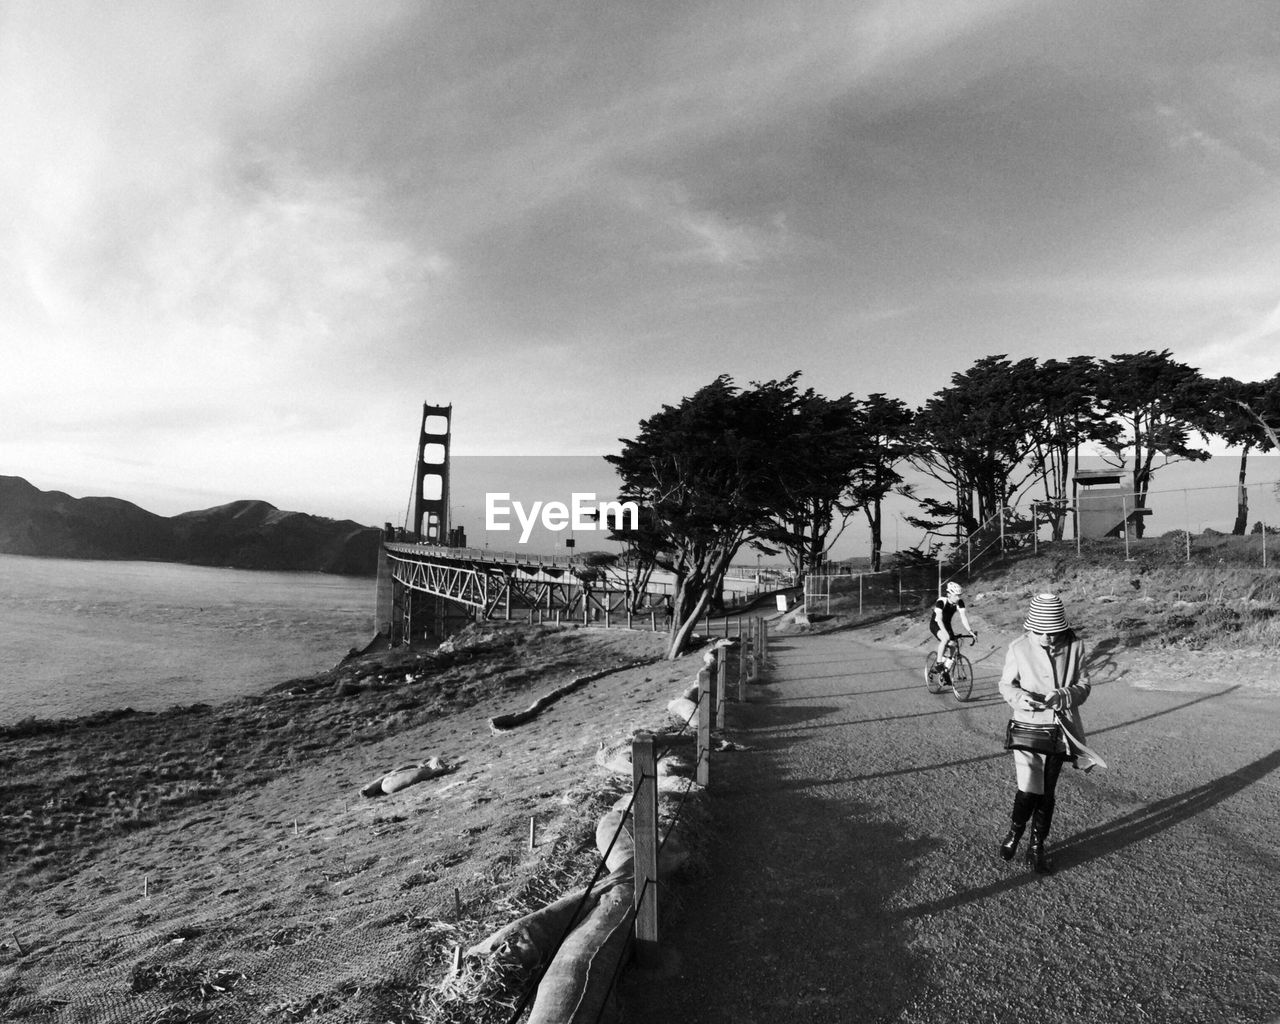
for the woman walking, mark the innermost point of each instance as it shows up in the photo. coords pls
(1045, 682)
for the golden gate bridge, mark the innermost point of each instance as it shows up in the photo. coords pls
(428, 578)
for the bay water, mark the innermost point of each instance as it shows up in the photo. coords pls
(80, 636)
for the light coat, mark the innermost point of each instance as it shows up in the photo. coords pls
(1029, 669)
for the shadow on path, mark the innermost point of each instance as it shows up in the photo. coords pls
(842, 780)
(788, 722)
(1166, 711)
(1101, 663)
(772, 936)
(1126, 830)
(851, 693)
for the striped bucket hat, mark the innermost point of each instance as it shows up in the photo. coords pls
(1046, 615)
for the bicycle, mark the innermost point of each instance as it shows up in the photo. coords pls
(960, 678)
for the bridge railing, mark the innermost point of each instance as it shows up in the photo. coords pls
(485, 554)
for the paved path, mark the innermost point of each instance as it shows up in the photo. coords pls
(853, 874)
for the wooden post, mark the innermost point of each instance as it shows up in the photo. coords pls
(714, 711)
(704, 727)
(764, 644)
(753, 655)
(1186, 508)
(1124, 525)
(644, 770)
(722, 684)
(742, 665)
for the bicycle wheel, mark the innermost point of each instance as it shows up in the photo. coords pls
(931, 679)
(961, 678)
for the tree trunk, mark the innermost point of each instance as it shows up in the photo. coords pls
(1141, 484)
(1242, 498)
(694, 595)
(874, 518)
(690, 602)
(638, 587)
(1060, 495)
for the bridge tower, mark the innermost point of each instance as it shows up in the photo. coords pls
(431, 482)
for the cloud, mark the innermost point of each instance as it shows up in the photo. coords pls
(687, 234)
(151, 243)
(183, 296)
(1184, 131)
(586, 98)
(892, 36)
(1248, 352)
(218, 290)
(244, 241)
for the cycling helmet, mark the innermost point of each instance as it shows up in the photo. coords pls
(954, 589)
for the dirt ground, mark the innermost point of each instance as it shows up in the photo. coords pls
(222, 864)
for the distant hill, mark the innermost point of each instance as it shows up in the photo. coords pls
(241, 535)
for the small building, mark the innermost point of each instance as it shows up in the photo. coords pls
(1104, 508)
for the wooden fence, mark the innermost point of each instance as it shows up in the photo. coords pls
(713, 692)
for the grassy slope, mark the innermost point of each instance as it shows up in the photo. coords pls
(1221, 599)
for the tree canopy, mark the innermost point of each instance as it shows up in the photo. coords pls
(782, 467)
(1158, 404)
(820, 445)
(709, 473)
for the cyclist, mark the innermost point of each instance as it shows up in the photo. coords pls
(945, 609)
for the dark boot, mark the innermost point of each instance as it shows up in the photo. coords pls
(1023, 804)
(1037, 855)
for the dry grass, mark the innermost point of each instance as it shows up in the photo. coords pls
(1215, 614)
(221, 859)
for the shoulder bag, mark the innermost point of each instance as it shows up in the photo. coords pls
(1037, 739)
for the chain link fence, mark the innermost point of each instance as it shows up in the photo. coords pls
(864, 593)
(1199, 521)
(1174, 526)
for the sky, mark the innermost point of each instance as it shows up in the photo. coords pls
(242, 244)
